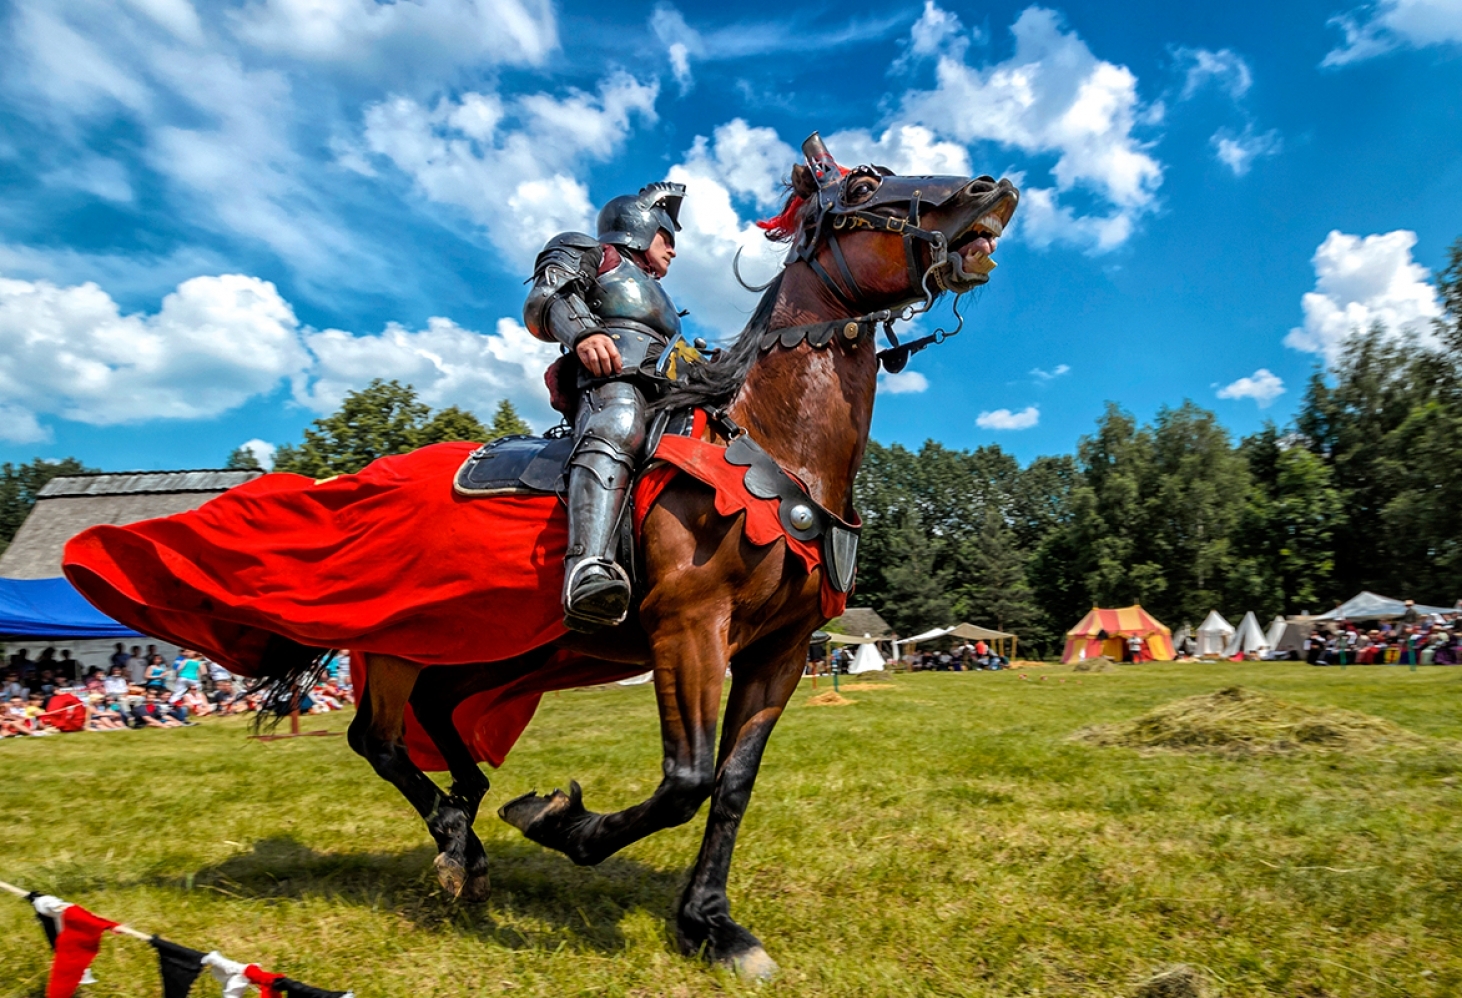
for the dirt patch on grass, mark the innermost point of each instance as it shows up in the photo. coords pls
(829, 699)
(867, 686)
(1240, 721)
(1179, 981)
(1099, 664)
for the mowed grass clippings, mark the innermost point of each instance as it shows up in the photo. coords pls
(945, 836)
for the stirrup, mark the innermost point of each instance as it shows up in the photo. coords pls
(601, 602)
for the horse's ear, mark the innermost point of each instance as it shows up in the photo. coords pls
(804, 184)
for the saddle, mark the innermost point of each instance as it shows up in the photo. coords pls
(529, 465)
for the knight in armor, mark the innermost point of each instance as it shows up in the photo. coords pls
(601, 299)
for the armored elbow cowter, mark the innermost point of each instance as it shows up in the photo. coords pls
(564, 272)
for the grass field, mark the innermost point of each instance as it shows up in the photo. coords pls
(939, 836)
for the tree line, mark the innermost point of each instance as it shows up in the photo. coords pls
(1360, 491)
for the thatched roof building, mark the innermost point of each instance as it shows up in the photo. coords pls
(70, 504)
(861, 620)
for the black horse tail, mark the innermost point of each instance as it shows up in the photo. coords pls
(287, 672)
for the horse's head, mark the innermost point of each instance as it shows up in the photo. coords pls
(878, 240)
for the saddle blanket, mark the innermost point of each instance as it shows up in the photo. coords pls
(389, 560)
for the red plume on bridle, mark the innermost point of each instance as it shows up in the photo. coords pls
(783, 227)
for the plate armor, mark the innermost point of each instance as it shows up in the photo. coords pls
(574, 296)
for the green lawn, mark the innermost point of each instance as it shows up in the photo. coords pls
(938, 836)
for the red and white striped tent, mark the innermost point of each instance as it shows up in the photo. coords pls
(1105, 632)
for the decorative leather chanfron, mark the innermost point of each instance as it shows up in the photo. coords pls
(514, 465)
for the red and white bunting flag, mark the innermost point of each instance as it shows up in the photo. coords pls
(78, 938)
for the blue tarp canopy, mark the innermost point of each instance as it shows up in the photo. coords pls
(53, 609)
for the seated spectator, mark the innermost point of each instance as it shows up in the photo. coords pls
(45, 683)
(115, 685)
(35, 715)
(154, 712)
(224, 698)
(13, 720)
(191, 701)
(13, 687)
(104, 719)
(95, 683)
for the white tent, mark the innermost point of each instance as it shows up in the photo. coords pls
(930, 635)
(1370, 606)
(867, 660)
(1214, 634)
(1248, 638)
(1275, 633)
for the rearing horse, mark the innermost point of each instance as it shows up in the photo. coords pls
(389, 563)
(865, 244)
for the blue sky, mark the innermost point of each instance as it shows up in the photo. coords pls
(218, 218)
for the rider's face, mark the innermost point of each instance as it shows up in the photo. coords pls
(659, 255)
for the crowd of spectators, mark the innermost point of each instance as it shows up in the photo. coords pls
(1419, 641)
(968, 657)
(54, 693)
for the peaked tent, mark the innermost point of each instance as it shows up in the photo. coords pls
(1214, 634)
(1105, 632)
(1371, 606)
(53, 609)
(1275, 634)
(867, 660)
(1248, 638)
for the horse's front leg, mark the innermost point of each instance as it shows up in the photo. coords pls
(764, 680)
(689, 658)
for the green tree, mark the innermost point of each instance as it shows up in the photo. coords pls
(242, 459)
(995, 592)
(451, 424)
(19, 485)
(506, 422)
(915, 590)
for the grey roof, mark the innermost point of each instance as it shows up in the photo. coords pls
(132, 482)
(858, 620)
(69, 505)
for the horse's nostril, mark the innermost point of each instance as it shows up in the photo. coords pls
(980, 185)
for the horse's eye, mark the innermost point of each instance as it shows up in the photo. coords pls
(861, 191)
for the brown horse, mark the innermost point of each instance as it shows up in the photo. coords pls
(800, 381)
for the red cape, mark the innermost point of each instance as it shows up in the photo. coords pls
(390, 560)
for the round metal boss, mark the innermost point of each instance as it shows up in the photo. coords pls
(801, 516)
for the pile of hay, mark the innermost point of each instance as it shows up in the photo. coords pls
(1099, 664)
(829, 699)
(1243, 722)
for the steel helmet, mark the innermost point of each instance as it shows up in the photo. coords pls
(631, 220)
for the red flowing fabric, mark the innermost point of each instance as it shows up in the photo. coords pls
(65, 712)
(76, 947)
(389, 561)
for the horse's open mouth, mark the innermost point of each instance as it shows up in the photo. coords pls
(970, 254)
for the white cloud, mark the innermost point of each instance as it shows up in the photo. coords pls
(399, 38)
(446, 364)
(903, 383)
(1224, 68)
(462, 153)
(1262, 386)
(262, 450)
(1238, 152)
(736, 160)
(216, 342)
(105, 178)
(681, 41)
(1390, 24)
(936, 32)
(907, 149)
(1360, 281)
(1053, 96)
(1052, 374)
(1004, 419)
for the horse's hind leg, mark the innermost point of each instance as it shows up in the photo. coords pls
(376, 735)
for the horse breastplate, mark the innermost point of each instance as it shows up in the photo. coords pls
(628, 293)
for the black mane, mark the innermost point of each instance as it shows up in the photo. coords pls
(716, 383)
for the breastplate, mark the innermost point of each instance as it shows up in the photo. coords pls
(627, 292)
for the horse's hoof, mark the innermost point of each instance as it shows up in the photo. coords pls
(456, 881)
(476, 890)
(529, 810)
(753, 965)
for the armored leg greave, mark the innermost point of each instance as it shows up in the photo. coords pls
(611, 433)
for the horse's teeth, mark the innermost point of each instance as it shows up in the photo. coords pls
(993, 223)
